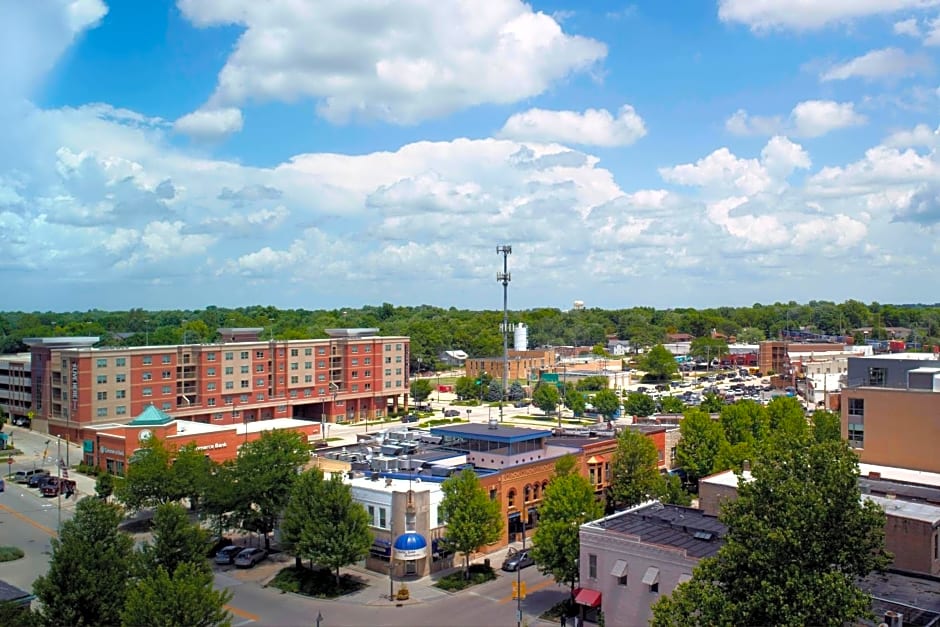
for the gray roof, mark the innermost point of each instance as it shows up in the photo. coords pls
(9, 592)
(362, 332)
(686, 528)
(75, 341)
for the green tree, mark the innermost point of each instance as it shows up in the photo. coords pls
(190, 470)
(779, 565)
(176, 541)
(546, 397)
(104, 485)
(607, 403)
(635, 474)
(639, 404)
(698, 448)
(565, 465)
(708, 348)
(826, 425)
(751, 335)
(265, 471)
(658, 363)
(88, 570)
(188, 597)
(465, 388)
(711, 403)
(150, 479)
(420, 390)
(323, 524)
(574, 400)
(672, 492)
(593, 383)
(221, 498)
(745, 425)
(516, 391)
(473, 520)
(567, 503)
(787, 419)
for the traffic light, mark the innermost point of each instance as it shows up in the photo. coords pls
(522, 589)
(515, 590)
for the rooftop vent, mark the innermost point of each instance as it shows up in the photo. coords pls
(707, 536)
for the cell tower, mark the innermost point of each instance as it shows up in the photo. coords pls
(504, 278)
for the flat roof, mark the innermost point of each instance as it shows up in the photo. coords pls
(924, 512)
(726, 478)
(918, 598)
(692, 530)
(75, 341)
(925, 369)
(352, 332)
(275, 423)
(904, 475)
(903, 356)
(481, 431)
(396, 485)
(193, 427)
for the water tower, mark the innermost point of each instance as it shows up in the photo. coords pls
(520, 337)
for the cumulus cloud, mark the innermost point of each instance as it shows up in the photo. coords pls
(810, 118)
(593, 127)
(907, 27)
(932, 38)
(210, 124)
(400, 62)
(922, 208)
(809, 14)
(886, 63)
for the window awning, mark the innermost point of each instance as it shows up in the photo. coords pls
(596, 459)
(684, 577)
(651, 577)
(515, 515)
(588, 597)
(619, 569)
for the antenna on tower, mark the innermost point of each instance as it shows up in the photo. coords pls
(504, 277)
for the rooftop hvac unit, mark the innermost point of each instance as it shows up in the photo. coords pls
(894, 619)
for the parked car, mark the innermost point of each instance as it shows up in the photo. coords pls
(517, 560)
(36, 480)
(56, 485)
(451, 413)
(521, 404)
(216, 544)
(227, 554)
(409, 418)
(22, 476)
(3, 485)
(249, 557)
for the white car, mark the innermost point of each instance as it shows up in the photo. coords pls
(249, 557)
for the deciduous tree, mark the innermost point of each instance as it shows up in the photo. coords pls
(634, 474)
(574, 400)
(658, 363)
(149, 480)
(546, 397)
(89, 569)
(188, 597)
(176, 541)
(607, 403)
(323, 524)
(799, 537)
(420, 390)
(701, 441)
(639, 404)
(473, 519)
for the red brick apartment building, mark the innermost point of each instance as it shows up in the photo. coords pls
(352, 375)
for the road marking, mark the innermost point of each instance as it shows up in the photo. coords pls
(242, 613)
(28, 520)
(529, 589)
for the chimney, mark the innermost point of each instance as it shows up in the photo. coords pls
(894, 619)
(746, 466)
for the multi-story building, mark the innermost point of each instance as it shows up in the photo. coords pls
(891, 410)
(16, 395)
(352, 375)
(523, 365)
(629, 559)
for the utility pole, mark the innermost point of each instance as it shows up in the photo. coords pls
(504, 278)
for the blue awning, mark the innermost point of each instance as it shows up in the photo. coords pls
(410, 541)
(515, 515)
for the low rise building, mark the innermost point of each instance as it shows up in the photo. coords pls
(16, 386)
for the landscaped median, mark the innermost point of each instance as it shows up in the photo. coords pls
(315, 582)
(458, 580)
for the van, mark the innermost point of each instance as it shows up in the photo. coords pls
(22, 476)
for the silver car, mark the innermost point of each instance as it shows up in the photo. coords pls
(249, 557)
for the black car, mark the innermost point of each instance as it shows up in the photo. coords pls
(451, 413)
(37, 480)
(521, 404)
(409, 418)
(517, 560)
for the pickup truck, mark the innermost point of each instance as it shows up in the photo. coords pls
(55, 485)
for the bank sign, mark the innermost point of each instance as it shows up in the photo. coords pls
(74, 388)
(209, 447)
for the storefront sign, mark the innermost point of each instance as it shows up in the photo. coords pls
(74, 387)
(411, 554)
(88, 446)
(110, 451)
(215, 445)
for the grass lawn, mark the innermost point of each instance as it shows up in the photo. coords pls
(317, 582)
(479, 573)
(10, 553)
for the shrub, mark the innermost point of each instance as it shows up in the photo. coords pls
(10, 553)
(316, 582)
(479, 573)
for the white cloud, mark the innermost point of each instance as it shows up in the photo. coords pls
(722, 170)
(756, 231)
(762, 15)
(907, 27)
(932, 37)
(835, 234)
(209, 124)
(401, 62)
(886, 63)
(920, 135)
(594, 127)
(810, 118)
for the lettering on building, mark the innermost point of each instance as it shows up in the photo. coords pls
(110, 451)
(214, 445)
(74, 387)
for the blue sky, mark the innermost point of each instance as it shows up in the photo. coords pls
(318, 154)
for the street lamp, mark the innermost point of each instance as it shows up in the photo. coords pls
(319, 618)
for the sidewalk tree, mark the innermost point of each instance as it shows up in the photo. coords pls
(465, 388)
(639, 404)
(779, 565)
(187, 597)
(658, 363)
(104, 485)
(700, 444)
(265, 471)
(708, 348)
(150, 479)
(671, 405)
(473, 519)
(607, 403)
(826, 425)
(190, 470)
(567, 502)
(89, 568)
(421, 390)
(516, 391)
(546, 397)
(176, 541)
(634, 476)
(322, 523)
(221, 497)
(574, 400)
(711, 403)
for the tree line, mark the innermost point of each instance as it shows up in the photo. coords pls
(435, 329)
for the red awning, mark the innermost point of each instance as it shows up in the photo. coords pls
(586, 596)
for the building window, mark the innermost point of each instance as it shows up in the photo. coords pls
(210, 356)
(229, 385)
(371, 510)
(368, 349)
(210, 372)
(511, 498)
(120, 410)
(354, 349)
(492, 494)
(592, 566)
(383, 521)
(388, 385)
(166, 389)
(308, 351)
(102, 378)
(244, 370)
(355, 374)
(102, 396)
(398, 347)
(259, 368)
(295, 365)
(102, 411)
(259, 354)
(368, 386)
(308, 365)
(367, 361)
(321, 350)
(527, 494)
(388, 348)
(120, 393)
(856, 435)
(672, 454)
(260, 397)
(167, 374)
(244, 354)
(857, 407)
(321, 391)
(230, 370)
(211, 402)
(294, 380)
(120, 378)
(229, 356)
(166, 405)
(308, 378)
(147, 391)
(877, 376)
(293, 352)
(102, 363)
(355, 362)
(147, 376)
(165, 359)
(147, 360)
(244, 383)
(120, 362)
